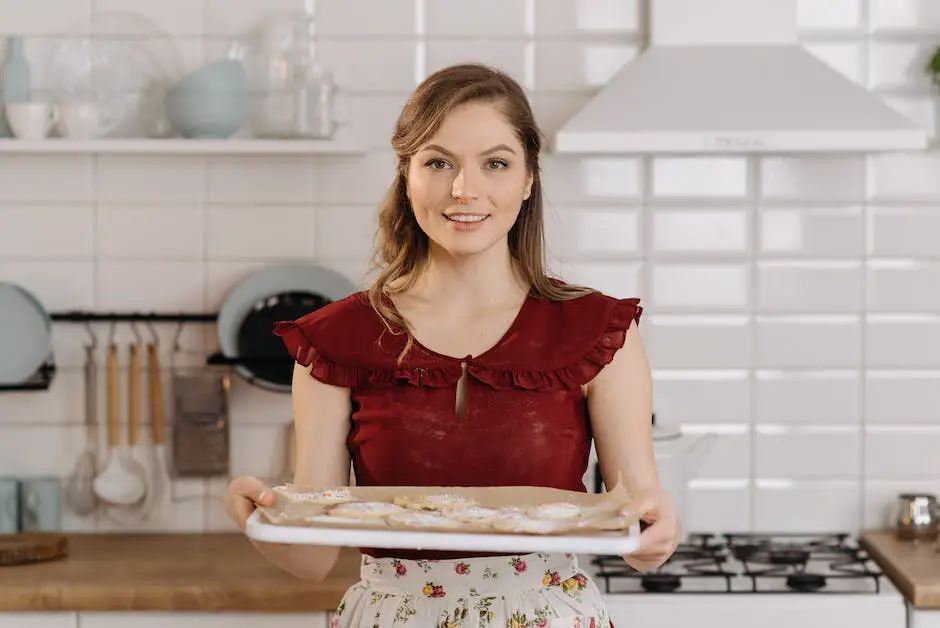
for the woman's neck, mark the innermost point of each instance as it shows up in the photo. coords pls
(487, 278)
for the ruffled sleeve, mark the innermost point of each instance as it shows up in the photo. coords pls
(305, 352)
(571, 342)
(346, 344)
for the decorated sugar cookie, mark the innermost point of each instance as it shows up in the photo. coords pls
(416, 519)
(559, 511)
(364, 510)
(325, 497)
(612, 523)
(528, 525)
(475, 515)
(350, 521)
(439, 501)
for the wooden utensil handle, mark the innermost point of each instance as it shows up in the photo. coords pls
(134, 397)
(113, 425)
(156, 394)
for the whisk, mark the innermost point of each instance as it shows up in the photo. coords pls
(79, 494)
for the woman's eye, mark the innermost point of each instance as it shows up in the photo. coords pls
(497, 164)
(436, 164)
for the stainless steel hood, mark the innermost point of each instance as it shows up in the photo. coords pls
(707, 84)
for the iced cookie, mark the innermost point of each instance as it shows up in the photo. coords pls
(528, 525)
(474, 515)
(364, 510)
(350, 521)
(559, 511)
(611, 523)
(286, 489)
(415, 519)
(432, 501)
(325, 497)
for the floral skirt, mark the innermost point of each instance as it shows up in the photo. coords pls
(523, 591)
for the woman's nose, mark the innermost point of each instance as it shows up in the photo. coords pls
(464, 189)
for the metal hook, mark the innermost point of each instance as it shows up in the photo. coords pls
(176, 338)
(136, 331)
(91, 334)
(176, 345)
(153, 332)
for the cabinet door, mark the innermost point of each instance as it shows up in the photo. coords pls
(186, 619)
(38, 620)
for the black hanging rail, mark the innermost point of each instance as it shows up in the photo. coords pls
(42, 379)
(133, 317)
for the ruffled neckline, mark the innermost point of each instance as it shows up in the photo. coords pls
(435, 370)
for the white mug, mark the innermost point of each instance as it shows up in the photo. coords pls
(78, 119)
(31, 120)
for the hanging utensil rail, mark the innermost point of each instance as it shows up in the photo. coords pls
(43, 377)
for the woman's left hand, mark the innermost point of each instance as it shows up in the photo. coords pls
(659, 540)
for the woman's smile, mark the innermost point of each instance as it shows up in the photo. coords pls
(466, 221)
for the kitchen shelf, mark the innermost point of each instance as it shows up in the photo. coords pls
(177, 146)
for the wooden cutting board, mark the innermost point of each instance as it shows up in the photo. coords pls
(32, 547)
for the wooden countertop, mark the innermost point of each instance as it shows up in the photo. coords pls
(161, 572)
(913, 568)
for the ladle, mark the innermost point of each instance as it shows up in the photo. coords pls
(117, 484)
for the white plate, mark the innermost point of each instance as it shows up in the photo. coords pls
(25, 334)
(616, 545)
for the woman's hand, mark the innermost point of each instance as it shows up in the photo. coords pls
(244, 494)
(659, 540)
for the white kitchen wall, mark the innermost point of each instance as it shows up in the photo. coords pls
(792, 302)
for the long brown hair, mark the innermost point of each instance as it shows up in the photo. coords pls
(401, 247)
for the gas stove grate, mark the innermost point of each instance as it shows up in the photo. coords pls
(793, 558)
(698, 559)
(750, 563)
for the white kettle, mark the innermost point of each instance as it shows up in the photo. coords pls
(678, 459)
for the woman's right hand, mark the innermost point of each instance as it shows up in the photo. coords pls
(244, 494)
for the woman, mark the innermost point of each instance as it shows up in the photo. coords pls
(464, 364)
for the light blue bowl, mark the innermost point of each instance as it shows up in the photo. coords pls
(211, 102)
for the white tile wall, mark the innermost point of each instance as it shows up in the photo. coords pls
(792, 301)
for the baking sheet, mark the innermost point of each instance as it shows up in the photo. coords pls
(291, 521)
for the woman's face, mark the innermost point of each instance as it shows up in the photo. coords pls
(467, 184)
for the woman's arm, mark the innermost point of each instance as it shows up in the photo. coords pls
(321, 425)
(620, 406)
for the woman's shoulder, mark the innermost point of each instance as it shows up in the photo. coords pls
(590, 306)
(351, 313)
(563, 340)
(339, 340)
(585, 317)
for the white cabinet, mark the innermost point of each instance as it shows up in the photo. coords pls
(923, 617)
(187, 619)
(38, 620)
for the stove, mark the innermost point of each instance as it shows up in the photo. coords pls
(750, 563)
(746, 579)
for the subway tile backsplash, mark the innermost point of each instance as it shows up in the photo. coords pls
(791, 301)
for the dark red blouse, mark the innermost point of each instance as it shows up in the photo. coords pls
(525, 420)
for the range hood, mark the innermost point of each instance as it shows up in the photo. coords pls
(707, 84)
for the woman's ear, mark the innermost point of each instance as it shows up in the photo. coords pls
(528, 187)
